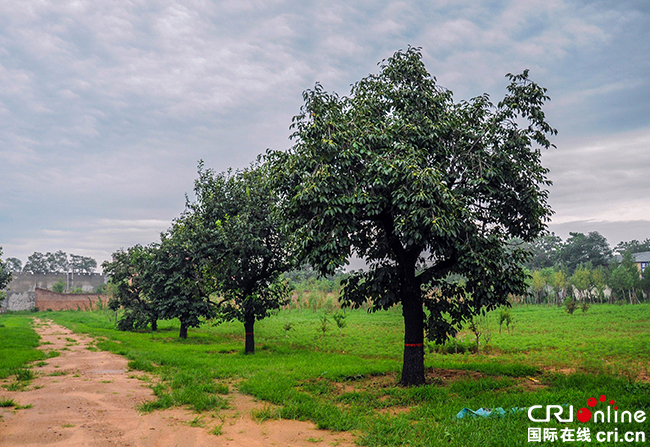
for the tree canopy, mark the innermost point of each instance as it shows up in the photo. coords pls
(581, 249)
(633, 246)
(128, 273)
(14, 265)
(58, 262)
(5, 274)
(235, 232)
(428, 191)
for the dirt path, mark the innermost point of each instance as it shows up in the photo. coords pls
(88, 398)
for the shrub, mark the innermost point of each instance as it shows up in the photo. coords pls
(570, 305)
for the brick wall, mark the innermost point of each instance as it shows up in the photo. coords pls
(47, 299)
(20, 291)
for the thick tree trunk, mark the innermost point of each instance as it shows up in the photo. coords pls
(154, 324)
(250, 336)
(183, 333)
(413, 367)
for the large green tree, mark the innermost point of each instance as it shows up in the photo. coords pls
(236, 233)
(14, 265)
(545, 251)
(82, 264)
(579, 249)
(633, 246)
(427, 191)
(37, 263)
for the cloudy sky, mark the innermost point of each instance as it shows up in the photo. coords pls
(106, 107)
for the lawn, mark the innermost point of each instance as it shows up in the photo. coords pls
(347, 379)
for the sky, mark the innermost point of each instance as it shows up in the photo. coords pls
(107, 107)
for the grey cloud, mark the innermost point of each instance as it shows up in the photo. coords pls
(106, 107)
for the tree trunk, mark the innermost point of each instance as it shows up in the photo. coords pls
(413, 367)
(154, 324)
(183, 333)
(249, 324)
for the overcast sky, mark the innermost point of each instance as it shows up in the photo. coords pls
(106, 107)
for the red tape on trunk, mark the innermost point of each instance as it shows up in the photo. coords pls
(249, 333)
(413, 345)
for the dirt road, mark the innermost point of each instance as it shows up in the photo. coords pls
(89, 398)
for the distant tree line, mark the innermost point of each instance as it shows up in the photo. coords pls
(58, 262)
(587, 269)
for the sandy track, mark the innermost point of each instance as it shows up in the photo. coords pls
(88, 398)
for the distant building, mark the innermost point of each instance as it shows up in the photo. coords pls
(642, 259)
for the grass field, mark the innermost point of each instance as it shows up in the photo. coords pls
(347, 380)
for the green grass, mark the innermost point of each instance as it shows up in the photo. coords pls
(349, 381)
(18, 343)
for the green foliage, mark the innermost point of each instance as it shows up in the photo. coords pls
(429, 192)
(59, 286)
(545, 251)
(505, 316)
(287, 327)
(82, 264)
(130, 286)
(176, 284)
(18, 343)
(625, 279)
(7, 403)
(324, 321)
(58, 262)
(235, 232)
(580, 249)
(571, 305)
(5, 275)
(15, 265)
(632, 246)
(339, 318)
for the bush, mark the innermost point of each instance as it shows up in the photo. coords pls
(59, 286)
(570, 305)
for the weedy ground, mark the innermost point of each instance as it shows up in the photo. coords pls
(348, 379)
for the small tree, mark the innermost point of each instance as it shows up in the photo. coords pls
(339, 317)
(175, 282)
(236, 233)
(571, 305)
(128, 279)
(538, 284)
(582, 281)
(505, 317)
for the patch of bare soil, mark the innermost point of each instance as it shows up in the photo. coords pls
(443, 376)
(89, 398)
